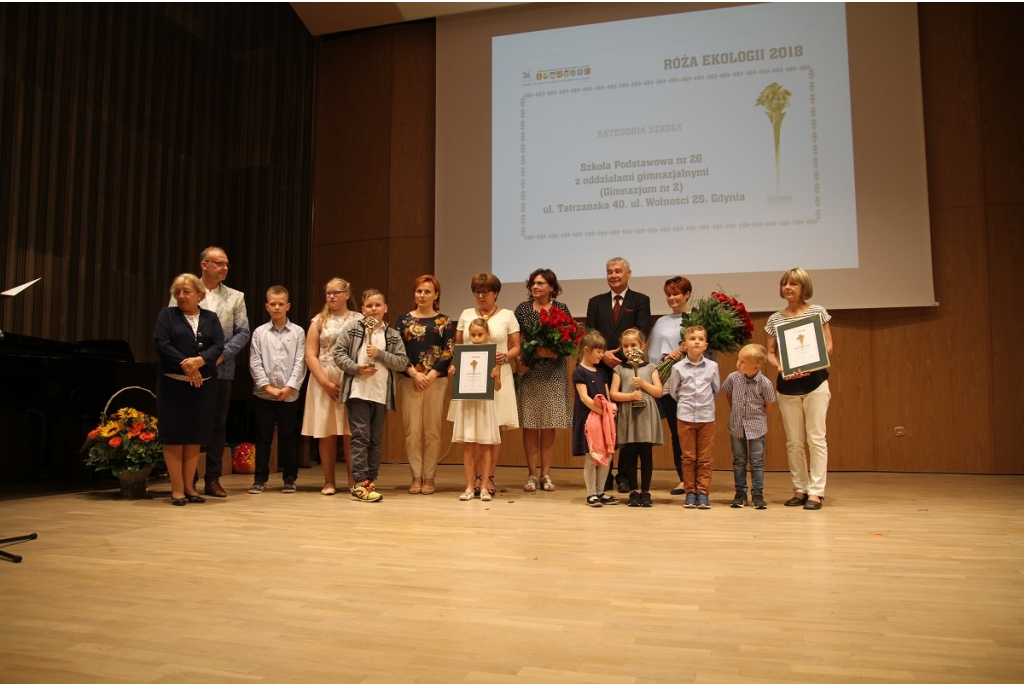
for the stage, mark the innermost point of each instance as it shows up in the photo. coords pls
(900, 577)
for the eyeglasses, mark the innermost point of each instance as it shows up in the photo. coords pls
(674, 279)
(334, 293)
(538, 283)
(219, 265)
(482, 293)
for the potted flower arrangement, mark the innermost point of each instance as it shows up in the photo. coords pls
(726, 320)
(127, 444)
(555, 331)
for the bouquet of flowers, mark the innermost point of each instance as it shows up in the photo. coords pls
(555, 331)
(127, 439)
(726, 321)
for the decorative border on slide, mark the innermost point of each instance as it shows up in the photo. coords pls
(524, 100)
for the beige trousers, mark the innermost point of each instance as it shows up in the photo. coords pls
(421, 414)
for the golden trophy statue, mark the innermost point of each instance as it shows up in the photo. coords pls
(636, 358)
(370, 323)
(775, 99)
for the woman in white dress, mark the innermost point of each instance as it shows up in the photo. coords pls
(325, 417)
(504, 333)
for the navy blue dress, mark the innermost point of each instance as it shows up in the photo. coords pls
(186, 413)
(594, 380)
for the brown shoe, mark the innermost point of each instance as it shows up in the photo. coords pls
(213, 489)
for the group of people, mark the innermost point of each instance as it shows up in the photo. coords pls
(358, 364)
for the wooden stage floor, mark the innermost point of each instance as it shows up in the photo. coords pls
(900, 577)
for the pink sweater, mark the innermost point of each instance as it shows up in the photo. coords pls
(600, 430)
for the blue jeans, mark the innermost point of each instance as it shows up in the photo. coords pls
(744, 450)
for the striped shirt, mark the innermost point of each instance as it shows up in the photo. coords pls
(749, 397)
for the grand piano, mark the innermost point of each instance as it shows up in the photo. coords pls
(54, 394)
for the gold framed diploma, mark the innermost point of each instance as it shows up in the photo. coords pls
(801, 344)
(473, 364)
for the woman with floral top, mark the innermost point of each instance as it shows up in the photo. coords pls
(325, 417)
(429, 339)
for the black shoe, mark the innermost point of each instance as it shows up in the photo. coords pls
(634, 499)
(623, 483)
(645, 499)
(609, 483)
(796, 500)
(195, 499)
(812, 505)
(179, 501)
(739, 501)
(759, 502)
(609, 500)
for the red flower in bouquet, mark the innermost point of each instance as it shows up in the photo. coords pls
(556, 331)
(114, 441)
(726, 320)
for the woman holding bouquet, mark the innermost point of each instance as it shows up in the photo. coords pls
(543, 394)
(666, 347)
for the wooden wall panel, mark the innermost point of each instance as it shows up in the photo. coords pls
(412, 134)
(1006, 283)
(949, 81)
(1000, 99)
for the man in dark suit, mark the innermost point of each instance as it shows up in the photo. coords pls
(613, 312)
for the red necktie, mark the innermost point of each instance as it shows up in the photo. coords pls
(616, 308)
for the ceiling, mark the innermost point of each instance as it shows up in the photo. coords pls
(331, 17)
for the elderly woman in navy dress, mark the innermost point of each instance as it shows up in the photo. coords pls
(189, 340)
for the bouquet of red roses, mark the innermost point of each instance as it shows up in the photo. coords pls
(556, 331)
(725, 319)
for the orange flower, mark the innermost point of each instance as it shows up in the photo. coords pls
(136, 428)
(93, 434)
(114, 441)
(146, 436)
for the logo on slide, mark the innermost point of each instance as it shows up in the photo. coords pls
(563, 75)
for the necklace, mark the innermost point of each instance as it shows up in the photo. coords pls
(485, 317)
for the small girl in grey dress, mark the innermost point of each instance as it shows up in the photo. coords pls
(639, 427)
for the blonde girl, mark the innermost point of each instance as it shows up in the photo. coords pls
(476, 422)
(637, 429)
(325, 417)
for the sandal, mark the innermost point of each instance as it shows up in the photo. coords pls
(547, 486)
(485, 496)
(467, 495)
(476, 489)
(327, 490)
(531, 484)
(427, 489)
(491, 489)
(415, 488)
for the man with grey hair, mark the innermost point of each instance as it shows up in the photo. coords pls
(611, 313)
(229, 306)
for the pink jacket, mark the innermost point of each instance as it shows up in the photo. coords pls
(600, 430)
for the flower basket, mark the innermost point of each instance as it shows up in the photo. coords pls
(127, 444)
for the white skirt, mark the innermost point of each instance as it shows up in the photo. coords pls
(475, 421)
(323, 417)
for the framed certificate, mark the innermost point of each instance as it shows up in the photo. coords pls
(802, 345)
(473, 364)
